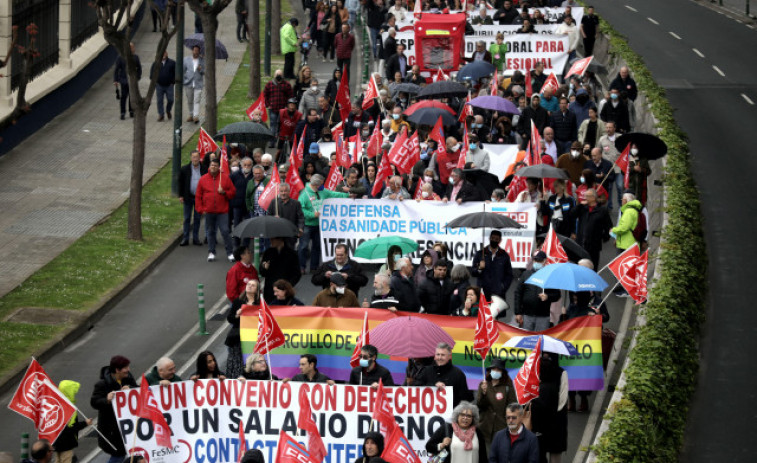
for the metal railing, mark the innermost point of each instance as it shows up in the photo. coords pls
(83, 22)
(44, 14)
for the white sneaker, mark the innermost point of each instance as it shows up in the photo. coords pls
(231, 258)
(211, 257)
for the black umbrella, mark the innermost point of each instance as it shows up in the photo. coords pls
(650, 147)
(574, 250)
(483, 220)
(475, 70)
(596, 68)
(482, 179)
(429, 116)
(542, 171)
(407, 87)
(266, 226)
(198, 40)
(244, 132)
(443, 89)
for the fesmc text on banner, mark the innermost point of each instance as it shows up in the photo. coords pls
(204, 417)
(352, 221)
(330, 333)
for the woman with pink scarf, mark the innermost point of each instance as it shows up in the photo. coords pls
(459, 441)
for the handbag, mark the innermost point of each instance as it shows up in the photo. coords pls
(441, 456)
(324, 25)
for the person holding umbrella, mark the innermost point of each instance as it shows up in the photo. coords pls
(494, 270)
(532, 304)
(494, 394)
(560, 208)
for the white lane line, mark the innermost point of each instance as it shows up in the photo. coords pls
(653, 21)
(675, 35)
(748, 100)
(701, 55)
(717, 69)
(632, 9)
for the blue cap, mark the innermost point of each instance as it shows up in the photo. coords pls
(314, 148)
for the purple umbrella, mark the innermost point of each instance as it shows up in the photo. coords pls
(410, 337)
(496, 103)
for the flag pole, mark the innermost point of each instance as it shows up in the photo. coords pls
(134, 441)
(609, 293)
(276, 199)
(95, 428)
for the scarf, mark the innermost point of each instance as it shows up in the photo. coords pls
(465, 436)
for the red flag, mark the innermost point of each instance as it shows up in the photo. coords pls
(535, 157)
(363, 340)
(526, 383)
(295, 161)
(293, 178)
(639, 293)
(398, 155)
(38, 399)
(486, 330)
(417, 9)
(224, 158)
(382, 410)
(625, 268)
(439, 76)
(464, 151)
(553, 248)
(342, 152)
(148, 409)
(356, 149)
(334, 179)
(271, 190)
(374, 144)
(205, 144)
(306, 422)
(517, 185)
(552, 83)
(495, 84)
(466, 111)
(371, 92)
(269, 333)
(384, 172)
(624, 164)
(343, 96)
(301, 147)
(259, 104)
(579, 67)
(398, 450)
(529, 87)
(290, 451)
(418, 195)
(242, 443)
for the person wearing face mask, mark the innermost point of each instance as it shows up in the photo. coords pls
(637, 178)
(573, 163)
(536, 113)
(398, 120)
(337, 294)
(616, 110)
(494, 394)
(240, 179)
(532, 303)
(477, 156)
(427, 193)
(288, 119)
(493, 269)
(310, 97)
(580, 107)
(369, 372)
(460, 190)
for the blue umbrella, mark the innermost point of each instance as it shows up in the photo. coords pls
(548, 344)
(474, 71)
(199, 40)
(567, 276)
(495, 103)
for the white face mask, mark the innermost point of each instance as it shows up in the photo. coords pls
(451, 179)
(634, 151)
(583, 180)
(424, 194)
(538, 265)
(496, 374)
(314, 88)
(235, 168)
(575, 153)
(494, 200)
(455, 148)
(428, 179)
(340, 289)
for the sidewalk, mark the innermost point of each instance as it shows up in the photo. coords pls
(75, 171)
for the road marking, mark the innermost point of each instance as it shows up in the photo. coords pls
(653, 21)
(748, 100)
(738, 21)
(698, 52)
(717, 69)
(675, 35)
(632, 9)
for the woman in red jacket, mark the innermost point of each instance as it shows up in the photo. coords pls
(240, 273)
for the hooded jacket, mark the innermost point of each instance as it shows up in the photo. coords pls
(69, 437)
(106, 417)
(629, 218)
(378, 439)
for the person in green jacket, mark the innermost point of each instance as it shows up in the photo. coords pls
(623, 233)
(163, 373)
(498, 51)
(68, 439)
(289, 44)
(310, 199)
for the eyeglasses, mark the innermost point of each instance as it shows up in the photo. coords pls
(465, 415)
(511, 418)
(259, 361)
(366, 357)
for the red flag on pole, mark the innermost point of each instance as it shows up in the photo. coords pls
(466, 148)
(526, 382)
(553, 248)
(466, 111)
(578, 67)
(486, 330)
(625, 267)
(639, 293)
(400, 156)
(356, 150)
(374, 144)
(270, 335)
(437, 134)
(271, 190)
(334, 179)
(529, 87)
(398, 450)
(242, 443)
(495, 84)
(535, 153)
(205, 144)
(301, 147)
(382, 410)
(418, 195)
(439, 76)
(363, 340)
(290, 451)
(258, 104)
(552, 83)
(293, 177)
(224, 158)
(342, 152)
(343, 96)
(624, 164)
(148, 409)
(38, 399)
(384, 172)
(306, 422)
(371, 92)
(417, 10)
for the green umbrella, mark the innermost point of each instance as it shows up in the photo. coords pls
(377, 248)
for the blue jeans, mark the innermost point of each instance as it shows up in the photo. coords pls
(376, 41)
(212, 223)
(353, 17)
(116, 458)
(311, 233)
(273, 120)
(189, 206)
(167, 92)
(619, 188)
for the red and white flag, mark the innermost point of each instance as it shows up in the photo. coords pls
(526, 382)
(375, 142)
(371, 92)
(38, 399)
(271, 190)
(398, 450)
(384, 172)
(535, 157)
(417, 10)
(439, 76)
(461, 160)
(529, 87)
(639, 293)
(495, 84)
(242, 443)
(437, 134)
(418, 195)
(334, 179)
(553, 248)
(301, 147)
(342, 152)
(552, 83)
(382, 410)
(466, 111)
(205, 144)
(270, 335)
(259, 104)
(625, 267)
(290, 451)
(293, 177)
(356, 150)
(224, 158)
(148, 409)
(306, 422)
(486, 330)
(578, 67)
(343, 96)
(624, 164)
(404, 153)
(363, 340)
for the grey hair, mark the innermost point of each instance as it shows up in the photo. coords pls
(317, 178)
(163, 362)
(461, 407)
(629, 196)
(383, 278)
(498, 193)
(250, 360)
(258, 167)
(402, 262)
(586, 263)
(445, 346)
(246, 158)
(266, 157)
(515, 407)
(460, 273)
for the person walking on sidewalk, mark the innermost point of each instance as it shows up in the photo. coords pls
(214, 191)
(189, 177)
(240, 7)
(344, 44)
(276, 93)
(289, 45)
(164, 85)
(121, 78)
(194, 77)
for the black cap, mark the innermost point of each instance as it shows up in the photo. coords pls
(540, 256)
(338, 279)
(498, 364)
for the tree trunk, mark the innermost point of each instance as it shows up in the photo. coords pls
(134, 227)
(253, 20)
(209, 29)
(275, 27)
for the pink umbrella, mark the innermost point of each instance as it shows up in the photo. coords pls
(410, 337)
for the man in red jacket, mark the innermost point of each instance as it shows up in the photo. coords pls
(214, 191)
(344, 44)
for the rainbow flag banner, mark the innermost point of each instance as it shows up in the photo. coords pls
(330, 333)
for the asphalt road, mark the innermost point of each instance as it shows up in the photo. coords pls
(706, 61)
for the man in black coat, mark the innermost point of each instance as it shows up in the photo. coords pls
(287, 208)
(436, 290)
(121, 78)
(506, 14)
(309, 373)
(369, 372)
(532, 303)
(514, 444)
(593, 226)
(314, 125)
(535, 113)
(164, 85)
(238, 206)
(624, 83)
(390, 47)
(383, 297)
(566, 129)
(114, 377)
(494, 270)
(189, 175)
(279, 262)
(442, 373)
(616, 110)
(403, 286)
(460, 190)
(341, 263)
(396, 63)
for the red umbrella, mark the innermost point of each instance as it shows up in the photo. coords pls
(410, 337)
(428, 104)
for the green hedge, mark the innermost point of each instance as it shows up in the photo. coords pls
(647, 424)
